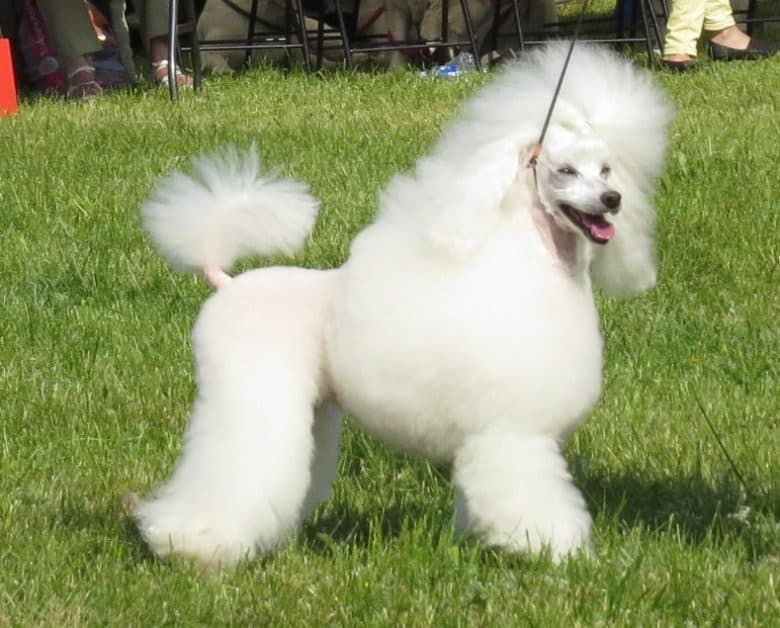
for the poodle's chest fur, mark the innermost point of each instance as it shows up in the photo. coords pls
(424, 350)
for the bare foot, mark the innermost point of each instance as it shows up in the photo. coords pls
(81, 80)
(731, 37)
(160, 75)
(679, 58)
(158, 52)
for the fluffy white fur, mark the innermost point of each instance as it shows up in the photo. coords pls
(462, 328)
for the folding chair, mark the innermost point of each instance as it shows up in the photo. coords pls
(623, 26)
(750, 17)
(354, 42)
(267, 39)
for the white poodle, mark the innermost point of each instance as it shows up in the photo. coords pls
(462, 328)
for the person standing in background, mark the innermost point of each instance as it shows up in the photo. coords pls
(689, 18)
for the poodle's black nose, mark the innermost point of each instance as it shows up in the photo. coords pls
(611, 200)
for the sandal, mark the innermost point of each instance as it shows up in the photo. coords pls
(160, 75)
(83, 89)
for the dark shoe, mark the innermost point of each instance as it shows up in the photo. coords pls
(679, 66)
(755, 50)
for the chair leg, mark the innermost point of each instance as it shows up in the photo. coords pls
(300, 20)
(320, 34)
(620, 18)
(355, 19)
(519, 24)
(643, 11)
(197, 68)
(445, 24)
(655, 25)
(250, 33)
(344, 35)
(493, 34)
(752, 10)
(173, 41)
(470, 30)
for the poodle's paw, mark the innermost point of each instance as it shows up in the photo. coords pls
(562, 533)
(176, 533)
(516, 493)
(561, 538)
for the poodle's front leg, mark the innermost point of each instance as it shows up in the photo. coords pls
(516, 493)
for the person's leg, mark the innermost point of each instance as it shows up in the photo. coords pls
(727, 41)
(719, 20)
(117, 16)
(74, 38)
(683, 30)
(153, 15)
(70, 28)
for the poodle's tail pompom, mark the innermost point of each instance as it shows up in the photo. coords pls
(224, 209)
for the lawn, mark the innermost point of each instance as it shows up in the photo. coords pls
(96, 375)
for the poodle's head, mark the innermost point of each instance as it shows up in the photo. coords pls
(599, 203)
(576, 186)
(596, 174)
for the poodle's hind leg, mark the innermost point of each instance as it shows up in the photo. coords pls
(325, 460)
(241, 482)
(240, 486)
(516, 493)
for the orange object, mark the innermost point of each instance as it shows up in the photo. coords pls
(9, 101)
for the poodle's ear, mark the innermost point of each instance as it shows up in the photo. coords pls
(626, 265)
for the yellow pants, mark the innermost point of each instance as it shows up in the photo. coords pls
(687, 20)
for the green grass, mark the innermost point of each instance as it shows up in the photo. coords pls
(96, 375)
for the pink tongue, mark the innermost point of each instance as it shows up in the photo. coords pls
(599, 227)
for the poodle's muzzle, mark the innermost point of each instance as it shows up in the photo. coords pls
(592, 222)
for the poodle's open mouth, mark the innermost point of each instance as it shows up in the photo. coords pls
(595, 227)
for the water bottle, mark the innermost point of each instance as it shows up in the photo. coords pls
(457, 66)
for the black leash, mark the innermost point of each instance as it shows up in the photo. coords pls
(534, 160)
(538, 148)
(725, 451)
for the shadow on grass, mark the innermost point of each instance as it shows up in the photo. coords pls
(340, 525)
(693, 509)
(105, 526)
(690, 508)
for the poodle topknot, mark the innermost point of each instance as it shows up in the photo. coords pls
(462, 328)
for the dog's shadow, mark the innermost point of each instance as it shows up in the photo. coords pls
(691, 508)
(100, 528)
(340, 526)
(362, 518)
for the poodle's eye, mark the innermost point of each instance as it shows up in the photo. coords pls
(568, 171)
(605, 170)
